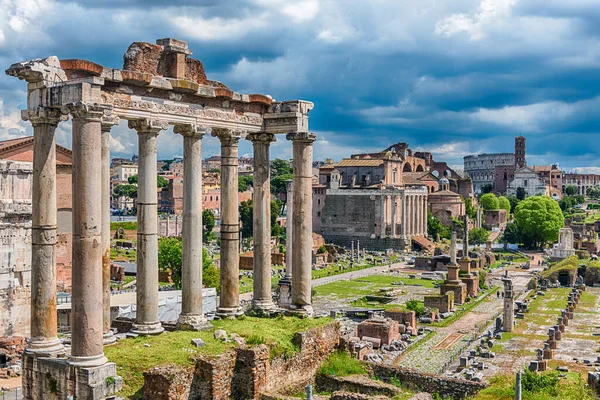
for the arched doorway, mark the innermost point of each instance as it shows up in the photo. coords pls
(407, 168)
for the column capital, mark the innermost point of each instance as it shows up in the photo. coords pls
(191, 130)
(108, 121)
(43, 115)
(229, 137)
(261, 137)
(147, 125)
(85, 110)
(302, 137)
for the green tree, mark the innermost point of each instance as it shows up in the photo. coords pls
(571, 190)
(170, 259)
(521, 193)
(539, 218)
(246, 212)
(504, 203)
(513, 202)
(160, 181)
(435, 228)
(489, 201)
(470, 209)
(127, 191)
(280, 167)
(279, 183)
(478, 236)
(512, 233)
(208, 223)
(487, 188)
(245, 182)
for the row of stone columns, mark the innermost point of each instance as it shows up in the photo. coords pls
(413, 215)
(91, 228)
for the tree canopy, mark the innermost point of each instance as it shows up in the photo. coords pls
(280, 167)
(245, 182)
(479, 236)
(539, 218)
(504, 203)
(521, 193)
(489, 201)
(127, 191)
(170, 258)
(160, 181)
(470, 209)
(487, 188)
(246, 215)
(571, 190)
(208, 223)
(512, 233)
(435, 228)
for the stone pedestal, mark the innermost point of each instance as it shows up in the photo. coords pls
(455, 285)
(472, 283)
(465, 265)
(146, 320)
(55, 378)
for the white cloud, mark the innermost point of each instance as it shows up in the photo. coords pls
(586, 170)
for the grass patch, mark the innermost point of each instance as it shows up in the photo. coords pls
(120, 254)
(126, 225)
(341, 363)
(542, 386)
(367, 285)
(133, 358)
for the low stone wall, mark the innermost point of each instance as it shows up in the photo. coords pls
(356, 384)
(244, 373)
(450, 387)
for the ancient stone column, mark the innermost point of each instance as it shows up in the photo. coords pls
(229, 299)
(509, 305)
(419, 212)
(425, 213)
(44, 339)
(146, 319)
(87, 298)
(383, 213)
(262, 299)
(453, 247)
(466, 237)
(394, 209)
(107, 123)
(192, 317)
(289, 244)
(404, 216)
(302, 143)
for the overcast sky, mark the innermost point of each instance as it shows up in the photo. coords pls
(451, 77)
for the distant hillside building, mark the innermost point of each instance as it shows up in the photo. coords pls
(582, 181)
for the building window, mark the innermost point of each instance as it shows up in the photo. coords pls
(318, 201)
(318, 213)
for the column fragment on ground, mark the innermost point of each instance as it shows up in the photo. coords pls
(146, 320)
(44, 338)
(229, 299)
(107, 123)
(262, 300)
(302, 220)
(192, 316)
(87, 297)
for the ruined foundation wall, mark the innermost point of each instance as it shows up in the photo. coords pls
(15, 247)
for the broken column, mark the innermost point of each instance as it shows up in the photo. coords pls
(192, 317)
(453, 247)
(107, 123)
(302, 143)
(229, 299)
(508, 310)
(146, 319)
(44, 338)
(262, 300)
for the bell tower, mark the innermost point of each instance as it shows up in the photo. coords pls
(520, 157)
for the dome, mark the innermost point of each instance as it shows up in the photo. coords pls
(444, 181)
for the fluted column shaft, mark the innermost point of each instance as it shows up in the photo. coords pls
(44, 339)
(107, 123)
(146, 318)
(262, 299)
(87, 296)
(229, 299)
(302, 143)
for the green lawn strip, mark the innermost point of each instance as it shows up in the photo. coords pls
(340, 268)
(367, 285)
(133, 358)
(465, 308)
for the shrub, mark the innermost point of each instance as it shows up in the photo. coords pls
(321, 250)
(342, 364)
(417, 306)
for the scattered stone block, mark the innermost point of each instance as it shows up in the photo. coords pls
(198, 342)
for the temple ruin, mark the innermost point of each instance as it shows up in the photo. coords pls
(159, 86)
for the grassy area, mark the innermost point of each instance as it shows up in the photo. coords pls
(465, 308)
(121, 254)
(127, 225)
(568, 264)
(336, 269)
(367, 285)
(341, 363)
(128, 279)
(133, 358)
(543, 386)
